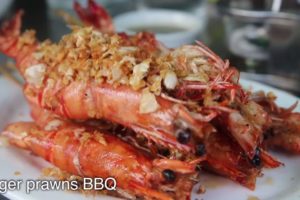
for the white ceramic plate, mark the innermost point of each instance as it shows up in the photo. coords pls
(282, 183)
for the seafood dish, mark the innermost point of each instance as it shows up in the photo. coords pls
(108, 104)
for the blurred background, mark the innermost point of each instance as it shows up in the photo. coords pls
(260, 37)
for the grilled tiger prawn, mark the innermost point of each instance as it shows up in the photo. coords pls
(167, 96)
(86, 152)
(285, 127)
(47, 120)
(226, 158)
(246, 121)
(154, 117)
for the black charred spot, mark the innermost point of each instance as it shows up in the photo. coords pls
(169, 175)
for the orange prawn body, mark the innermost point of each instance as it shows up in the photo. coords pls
(91, 100)
(120, 105)
(88, 153)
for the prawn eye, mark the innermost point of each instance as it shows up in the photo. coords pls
(169, 175)
(256, 161)
(200, 150)
(184, 136)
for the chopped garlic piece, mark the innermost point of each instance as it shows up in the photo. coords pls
(187, 50)
(155, 86)
(127, 49)
(78, 132)
(23, 134)
(38, 55)
(139, 72)
(116, 72)
(35, 74)
(148, 102)
(170, 80)
(201, 77)
(53, 125)
(99, 137)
